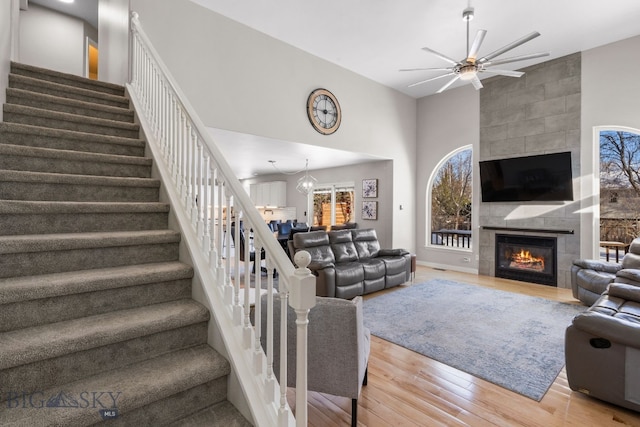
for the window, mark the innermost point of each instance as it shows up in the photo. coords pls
(450, 201)
(333, 204)
(619, 185)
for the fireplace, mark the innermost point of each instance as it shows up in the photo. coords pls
(526, 258)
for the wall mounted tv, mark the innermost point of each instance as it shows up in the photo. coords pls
(545, 177)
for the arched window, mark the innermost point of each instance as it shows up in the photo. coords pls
(449, 201)
(619, 184)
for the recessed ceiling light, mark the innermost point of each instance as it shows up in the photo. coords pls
(67, 1)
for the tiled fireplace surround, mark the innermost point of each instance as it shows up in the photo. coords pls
(537, 113)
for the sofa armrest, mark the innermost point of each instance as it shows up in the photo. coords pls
(325, 281)
(603, 326)
(597, 265)
(319, 265)
(392, 252)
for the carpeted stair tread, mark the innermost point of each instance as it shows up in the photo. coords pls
(139, 385)
(64, 91)
(50, 153)
(25, 288)
(23, 134)
(47, 207)
(54, 119)
(38, 159)
(223, 414)
(42, 342)
(68, 105)
(74, 241)
(19, 217)
(66, 78)
(59, 178)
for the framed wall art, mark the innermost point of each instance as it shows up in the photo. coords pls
(369, 188)
(369, 210)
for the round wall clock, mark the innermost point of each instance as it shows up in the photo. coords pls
(323, 111)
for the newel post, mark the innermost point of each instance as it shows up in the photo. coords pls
(302, 297)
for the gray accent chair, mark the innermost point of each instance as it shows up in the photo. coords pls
(590, 278)
(602, 348)
(338, 347)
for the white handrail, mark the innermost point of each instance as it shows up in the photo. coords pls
(213, 209)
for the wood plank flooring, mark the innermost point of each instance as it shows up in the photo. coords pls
(408, 389)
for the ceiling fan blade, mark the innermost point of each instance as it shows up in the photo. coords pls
(507, 73)
(441, 56)
(427, 69)
(443, 88)
(510, 46)
(516, 58)
(430, 80)
(476, 83)
(477, 42)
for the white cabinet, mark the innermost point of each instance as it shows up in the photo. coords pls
(269, 193)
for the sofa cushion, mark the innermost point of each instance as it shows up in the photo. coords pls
(395, 265)
(342, 246)
(373, 268)
(631, 259)
(317, 244)
(366, 242)
(630, 276)
(349, 273)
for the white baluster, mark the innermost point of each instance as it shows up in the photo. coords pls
(302, 299)
(205, 207)
(213, 242)
(284, 407)
(228, 251)
(248, 336)
(194, 156)
(271, 378)
(237, 306)
(257, 348)
(197, 222)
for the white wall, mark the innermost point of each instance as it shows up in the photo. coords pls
(113, 51)
(610, 97)
(446, 121)
(6, 8)
(381, 170)
(610, 91)
(52, 40)
(241, 80)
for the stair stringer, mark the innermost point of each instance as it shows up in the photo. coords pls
(246, 390)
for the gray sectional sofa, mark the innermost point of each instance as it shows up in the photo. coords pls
(348, 263)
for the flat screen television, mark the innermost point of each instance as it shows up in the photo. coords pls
(545, 177)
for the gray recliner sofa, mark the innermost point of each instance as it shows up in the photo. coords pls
(602, 348)
(590, 278)
(348, 263)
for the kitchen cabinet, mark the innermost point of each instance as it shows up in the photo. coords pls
(271, 194)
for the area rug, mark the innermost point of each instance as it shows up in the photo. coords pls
(512, 340)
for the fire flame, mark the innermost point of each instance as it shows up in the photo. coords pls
(524, 259)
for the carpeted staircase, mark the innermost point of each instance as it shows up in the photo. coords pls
(96, 317)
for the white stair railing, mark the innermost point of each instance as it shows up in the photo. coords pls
(209, 203)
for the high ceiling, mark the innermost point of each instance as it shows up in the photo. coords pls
(87, 10)
(376, 38)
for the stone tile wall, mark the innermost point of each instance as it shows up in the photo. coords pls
(537, 113)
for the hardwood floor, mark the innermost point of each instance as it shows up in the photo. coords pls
(408, 389)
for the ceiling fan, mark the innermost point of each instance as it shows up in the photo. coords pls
(469, 68)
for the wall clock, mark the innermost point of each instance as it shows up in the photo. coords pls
(323, 111)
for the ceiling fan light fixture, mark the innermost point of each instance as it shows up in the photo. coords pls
(468, 72)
